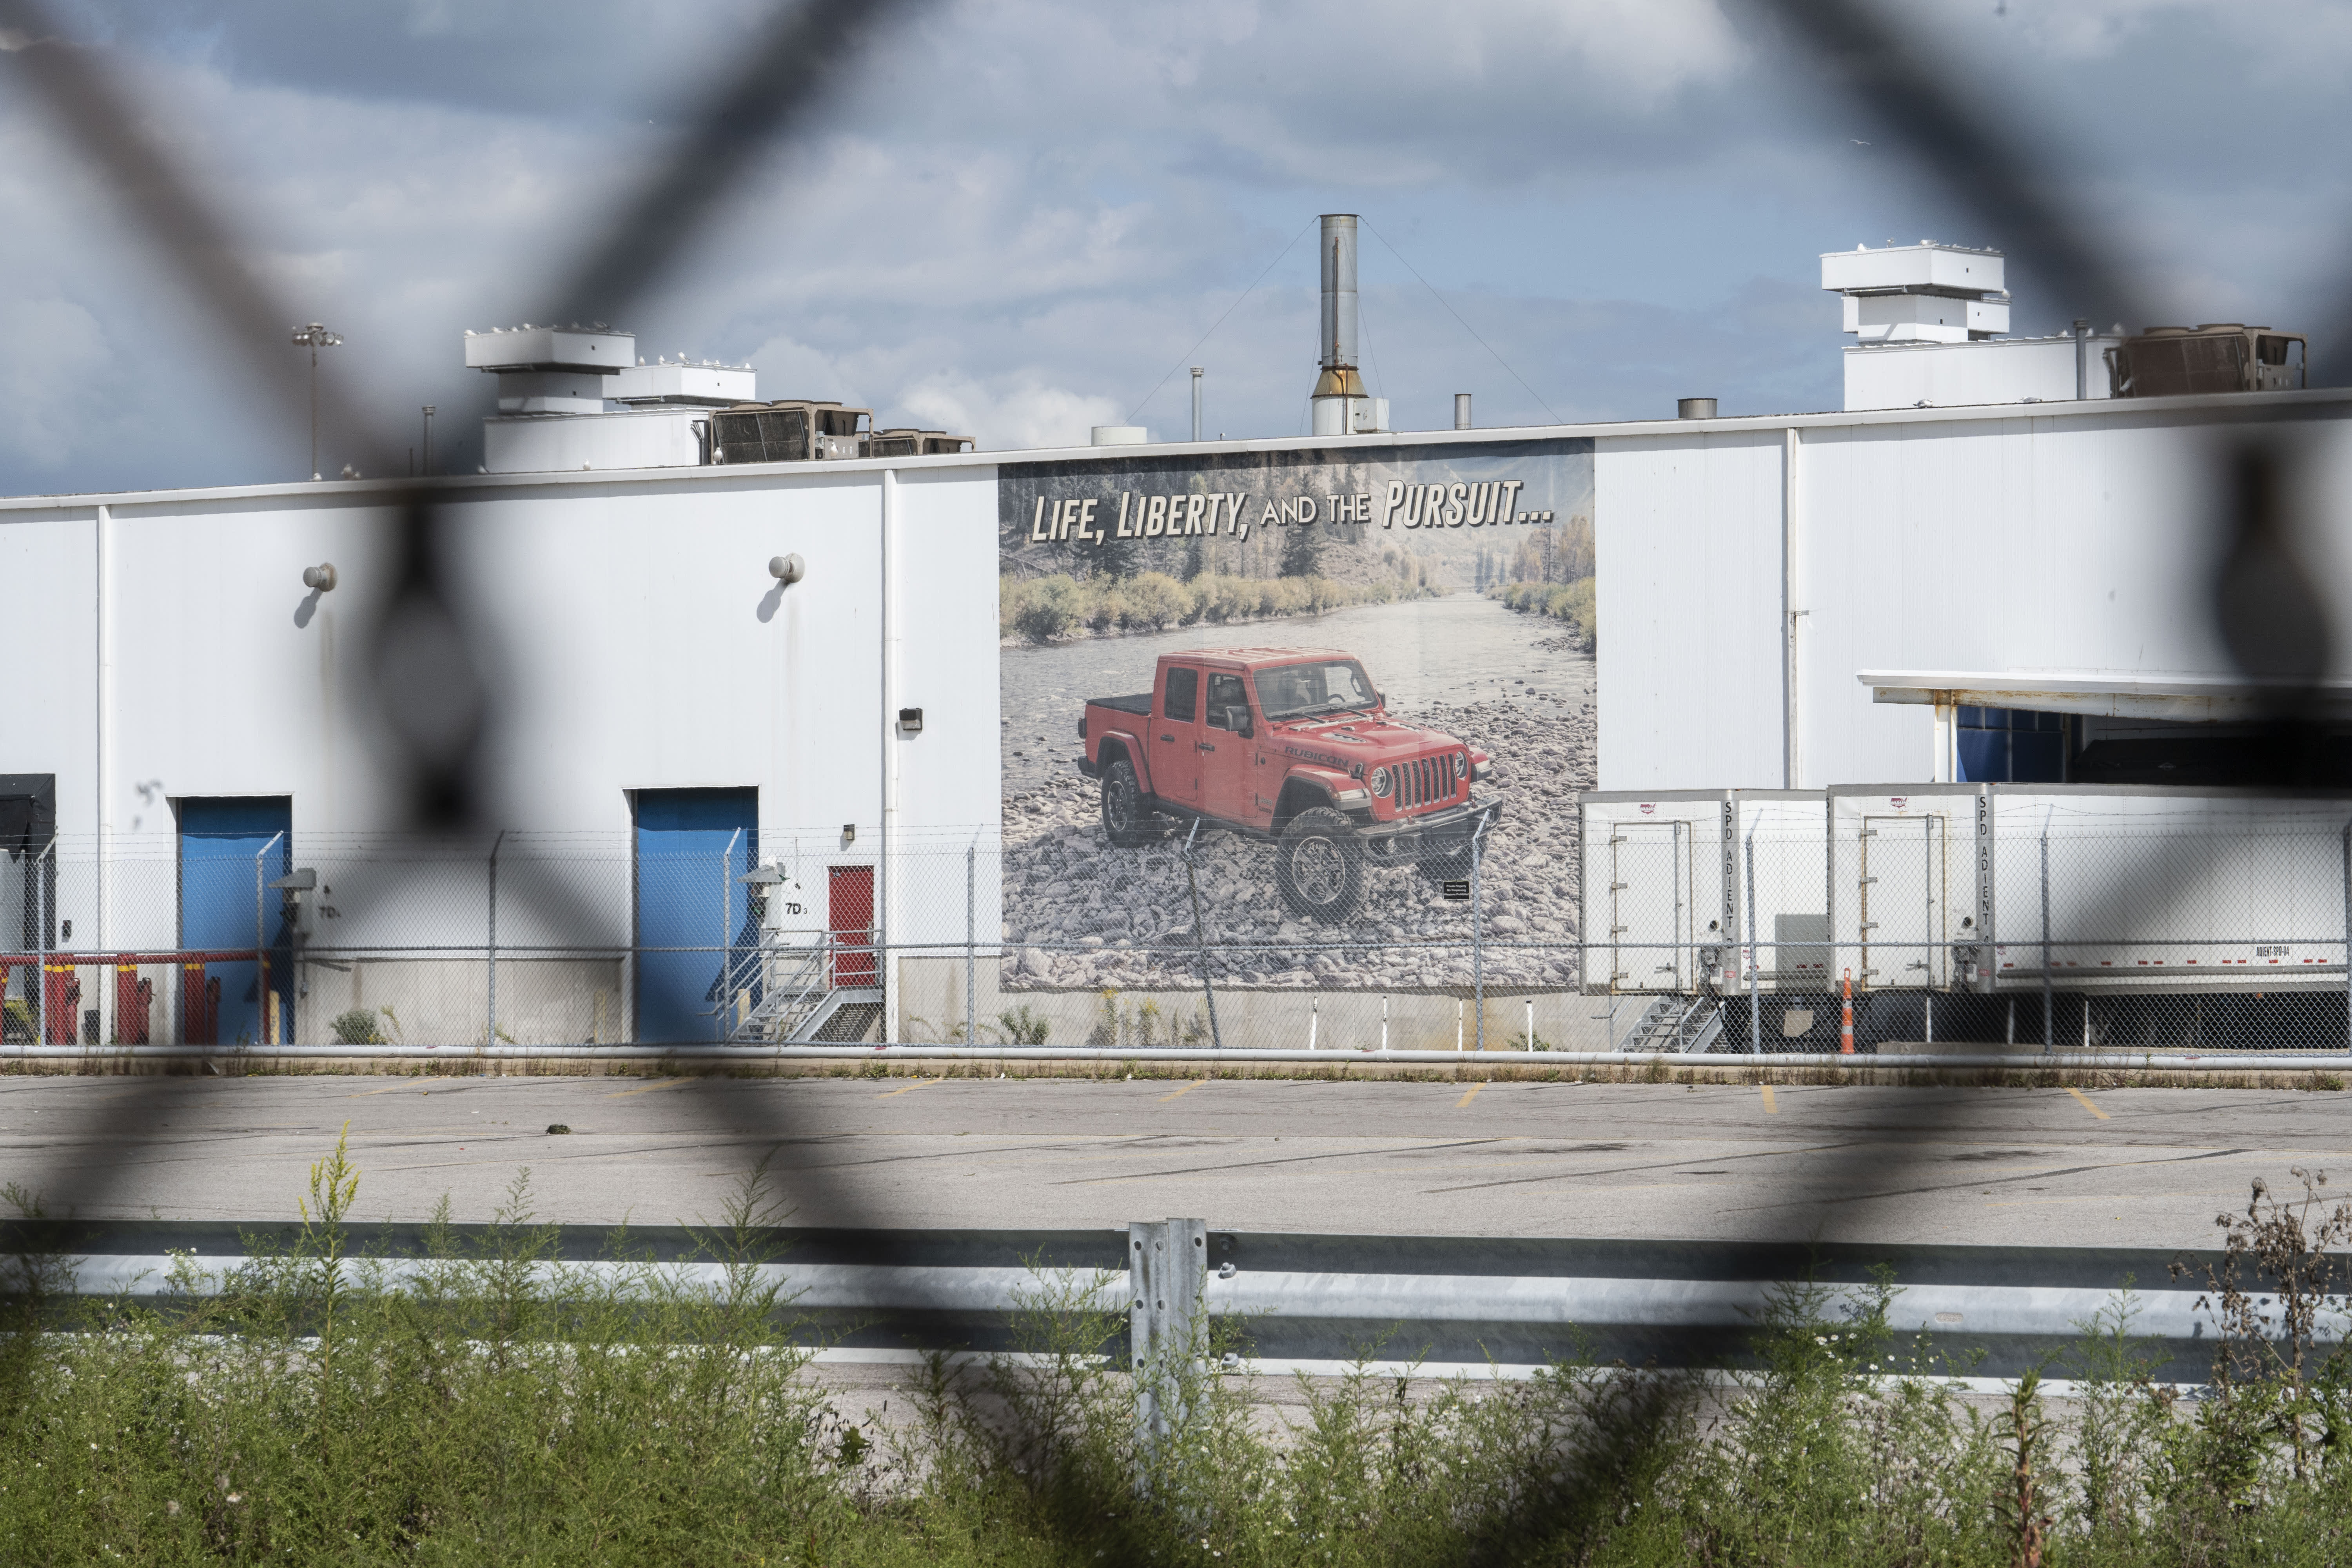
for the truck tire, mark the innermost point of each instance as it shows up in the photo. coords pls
(1319, 867)
(1125, 822)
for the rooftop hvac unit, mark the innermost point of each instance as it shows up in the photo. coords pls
(787, 432)
(2219, 357)
(901, 443)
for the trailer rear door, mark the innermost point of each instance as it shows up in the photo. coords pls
(1652, 906)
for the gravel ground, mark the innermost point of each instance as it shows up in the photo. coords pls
(1075, 907)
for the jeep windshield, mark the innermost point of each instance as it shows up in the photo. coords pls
(1300, 690)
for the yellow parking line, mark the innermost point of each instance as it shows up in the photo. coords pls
(1769, 1108)
(919, 1083)
(647, 1087)
(2094, 1110)
(1184, 1091)
(1467, 1098)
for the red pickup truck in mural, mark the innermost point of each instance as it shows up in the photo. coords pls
(1294, 746)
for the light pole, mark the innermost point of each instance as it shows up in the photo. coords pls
(315, 337)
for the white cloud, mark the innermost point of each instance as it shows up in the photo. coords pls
(1019, 213)
(1007, 413)
(53, 382)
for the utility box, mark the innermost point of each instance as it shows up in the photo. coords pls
(788, 432)
(906, 443)
(2219, 357)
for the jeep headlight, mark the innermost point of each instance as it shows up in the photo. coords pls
(1461, 763)
(1380, 782)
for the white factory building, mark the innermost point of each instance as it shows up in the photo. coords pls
(1784, 601)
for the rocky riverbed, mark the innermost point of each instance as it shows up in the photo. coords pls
(1081, 915)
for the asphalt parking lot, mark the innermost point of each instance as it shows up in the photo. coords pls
(2044, 1166)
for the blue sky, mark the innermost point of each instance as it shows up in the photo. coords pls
(1018, 218)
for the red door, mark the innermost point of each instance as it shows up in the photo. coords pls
(1176, 737)
(1229, 774)
(849, 916)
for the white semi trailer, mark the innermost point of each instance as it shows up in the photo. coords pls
(2166, 891)
(1669, 878)
(2101, 901)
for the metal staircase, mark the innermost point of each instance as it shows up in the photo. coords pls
(798, 995)
(1685, 1023)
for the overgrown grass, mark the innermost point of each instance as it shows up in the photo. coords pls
(490, 1404)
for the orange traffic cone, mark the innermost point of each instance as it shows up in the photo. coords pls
(1845, 1022)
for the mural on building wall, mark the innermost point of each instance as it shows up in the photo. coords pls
(1305, 680)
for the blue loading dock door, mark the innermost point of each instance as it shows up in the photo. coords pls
(219, 839)
(694, 910)
(2011, 745)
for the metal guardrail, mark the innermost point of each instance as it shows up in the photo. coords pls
(713, 1056)
(1498, 1305)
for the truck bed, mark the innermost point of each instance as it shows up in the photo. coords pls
(1140, 703)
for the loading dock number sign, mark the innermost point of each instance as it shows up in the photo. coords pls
(1458, 891)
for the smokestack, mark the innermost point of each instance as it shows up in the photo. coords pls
(1341, 408)
(1338, 345)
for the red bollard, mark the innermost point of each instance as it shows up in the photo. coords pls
(133, 999)
(1846, 1023)
(61, 1003)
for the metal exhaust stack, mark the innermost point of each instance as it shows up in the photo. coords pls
(1341, 407)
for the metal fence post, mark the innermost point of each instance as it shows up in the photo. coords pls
(491, 1036)
(970, 945)
(726, 937)
(1477, 926)
(1755, 959)
(43, 871)
(2347, 935)
(1168, 1268)
(2049, 1000)
(1201, 939)
(260, 943)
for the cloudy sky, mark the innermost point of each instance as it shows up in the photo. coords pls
(1017, 220)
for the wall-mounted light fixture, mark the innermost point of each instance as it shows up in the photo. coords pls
(910, 720)
(848, 833)
(787, 569)
(319, 578)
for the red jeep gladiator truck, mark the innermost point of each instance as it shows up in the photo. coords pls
(1290, 745)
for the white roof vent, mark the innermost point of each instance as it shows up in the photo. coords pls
(1923, 293)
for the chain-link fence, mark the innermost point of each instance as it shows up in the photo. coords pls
(2034, 916)
(568, 940)
(2040, 917)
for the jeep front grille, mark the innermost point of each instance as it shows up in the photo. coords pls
(1425, 782)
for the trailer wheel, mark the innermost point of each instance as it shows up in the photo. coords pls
(1319, 867)
(1125, 822)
